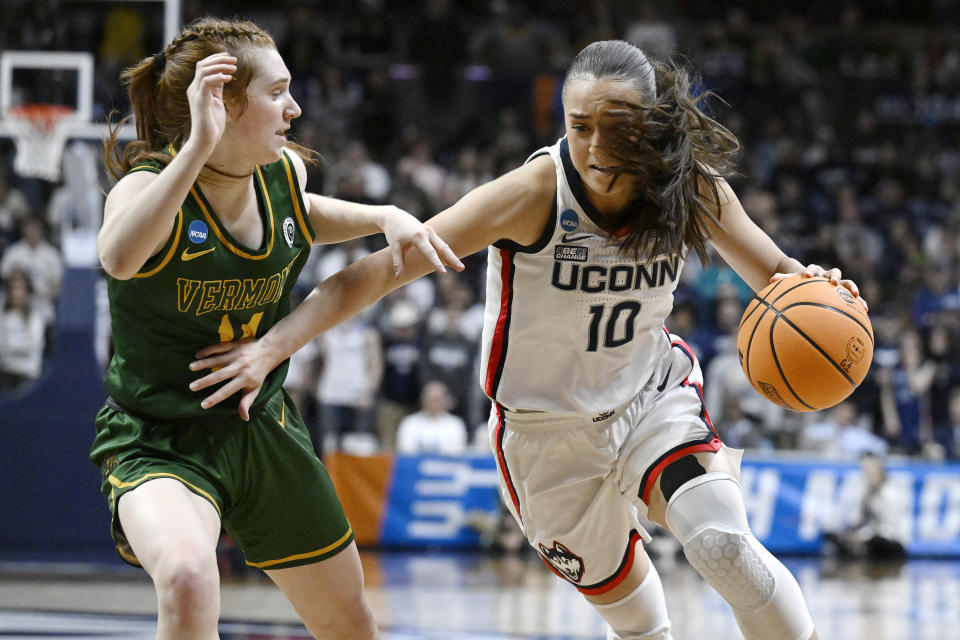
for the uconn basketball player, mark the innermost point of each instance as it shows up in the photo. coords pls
(597, 410)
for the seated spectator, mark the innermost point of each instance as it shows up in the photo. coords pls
(346, 389)
(450, 345)
(35, 256)
(400, 388)
(433, 429)
(21, 333)
(879, 532)
(939, 297)
(940, 371)
(841, 433)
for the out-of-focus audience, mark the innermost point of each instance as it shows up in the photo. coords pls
(850, 135)
(21, 333)
(433, 429)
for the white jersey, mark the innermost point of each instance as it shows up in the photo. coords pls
(571, 326)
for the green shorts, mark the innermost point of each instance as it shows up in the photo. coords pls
(274, 496)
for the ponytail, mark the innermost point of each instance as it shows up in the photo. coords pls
(143, 82)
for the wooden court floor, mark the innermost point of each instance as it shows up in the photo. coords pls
(439, 596)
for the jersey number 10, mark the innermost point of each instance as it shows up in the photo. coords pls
(609, 334)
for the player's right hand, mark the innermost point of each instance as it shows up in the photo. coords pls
(205, 94)
(241, 365)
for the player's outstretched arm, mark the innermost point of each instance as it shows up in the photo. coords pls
(335, 220)
(515, 206)
(752, 253)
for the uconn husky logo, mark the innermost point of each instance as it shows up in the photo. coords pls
(563, 560)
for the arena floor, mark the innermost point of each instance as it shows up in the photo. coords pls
(424, 596)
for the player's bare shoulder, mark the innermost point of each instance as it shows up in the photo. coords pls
(127, 188)
(532, 192)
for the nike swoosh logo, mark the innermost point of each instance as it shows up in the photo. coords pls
(575, 237)
(663, 385)
(186, 256)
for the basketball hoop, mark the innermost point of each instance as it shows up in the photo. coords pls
(40, 133)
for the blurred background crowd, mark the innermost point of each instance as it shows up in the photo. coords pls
(849, 118)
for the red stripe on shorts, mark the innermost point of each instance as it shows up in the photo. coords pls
(712, 445)
(620, 575)
(496, 344)
(502, 463)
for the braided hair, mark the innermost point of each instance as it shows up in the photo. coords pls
(666, 143)
(157, 87)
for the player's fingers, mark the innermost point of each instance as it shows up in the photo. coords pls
(397, 252)
(221, 394)
(216, 348)
(446, 253)
(812, 270)
(213, 362)
(833, 275)
(246, 402)
(777, 277)
(851, 285)
(215, 80)
(221, 57)
(223, 66)
(214, 377)
(426, 248)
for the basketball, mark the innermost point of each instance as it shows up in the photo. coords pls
(804, 343)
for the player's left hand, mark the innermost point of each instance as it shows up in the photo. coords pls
(833, 275)
(404, 232)
(242, 364)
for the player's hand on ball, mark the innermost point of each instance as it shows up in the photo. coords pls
(242, 365)
(833, 275)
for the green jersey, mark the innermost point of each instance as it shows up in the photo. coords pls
(204, 287)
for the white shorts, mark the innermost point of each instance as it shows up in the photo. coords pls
(577, 484)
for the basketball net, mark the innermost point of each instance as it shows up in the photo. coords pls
(40, 133)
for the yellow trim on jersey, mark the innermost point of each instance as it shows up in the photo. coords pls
(144, 166)
(170, 253)
(295, 197)
(129, 557)
(223, 239)
(303, 556)
(150, 476)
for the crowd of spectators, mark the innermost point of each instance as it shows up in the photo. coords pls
(849, 119)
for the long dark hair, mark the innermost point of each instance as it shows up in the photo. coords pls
(157, 86)
(667, 143)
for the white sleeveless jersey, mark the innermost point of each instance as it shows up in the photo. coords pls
(571, 326)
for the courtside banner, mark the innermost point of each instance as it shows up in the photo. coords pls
(432, 500)
(792, 503)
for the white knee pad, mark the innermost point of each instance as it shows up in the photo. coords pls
(707, 516)
(641, 614)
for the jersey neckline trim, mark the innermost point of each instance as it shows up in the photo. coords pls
(576, 185)
(225, 237)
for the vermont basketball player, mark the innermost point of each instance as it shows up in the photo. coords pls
(597, 409)
(203, 238)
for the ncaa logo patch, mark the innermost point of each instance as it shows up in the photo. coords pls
(569, 220)
(288, 230)
(198, 232)
(563, 560)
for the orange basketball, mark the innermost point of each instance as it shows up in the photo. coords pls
(805, 344)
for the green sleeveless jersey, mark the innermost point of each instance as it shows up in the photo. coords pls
(205, 287)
